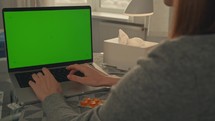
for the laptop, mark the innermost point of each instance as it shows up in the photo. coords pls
(52, 37)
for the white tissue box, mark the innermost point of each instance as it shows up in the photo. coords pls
(123, 56)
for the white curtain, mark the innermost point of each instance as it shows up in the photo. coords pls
(22, 3)
(45, 2)
(34, 3)
(6, 4)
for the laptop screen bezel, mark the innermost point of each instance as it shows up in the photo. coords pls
(45, 65)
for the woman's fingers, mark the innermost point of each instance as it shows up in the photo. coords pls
(45, 84)
(79, 67)
(75, 78)
(47, 73)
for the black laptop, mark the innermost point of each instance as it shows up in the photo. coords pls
(52, 37)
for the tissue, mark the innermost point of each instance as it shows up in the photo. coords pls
(123, 53)
(124, 39)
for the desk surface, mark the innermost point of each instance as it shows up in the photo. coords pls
(5, 88)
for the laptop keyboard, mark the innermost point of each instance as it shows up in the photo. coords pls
(60, 74)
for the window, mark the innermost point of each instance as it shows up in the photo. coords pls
(69, 2)
(114, 4)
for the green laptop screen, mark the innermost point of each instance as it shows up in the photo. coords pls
(40, 37)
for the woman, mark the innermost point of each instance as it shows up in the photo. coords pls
(175, 82)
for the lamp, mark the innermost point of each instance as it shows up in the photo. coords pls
(141, 8)
(168, 2)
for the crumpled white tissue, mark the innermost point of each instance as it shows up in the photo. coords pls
(124, 39)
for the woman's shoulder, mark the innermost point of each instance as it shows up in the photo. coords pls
(183, 50)
(184, 44)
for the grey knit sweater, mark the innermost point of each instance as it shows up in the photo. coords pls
(175, 82)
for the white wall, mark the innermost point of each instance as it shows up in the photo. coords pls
(107, 29)
(160, 19)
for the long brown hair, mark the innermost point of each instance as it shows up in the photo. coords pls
(193, 17)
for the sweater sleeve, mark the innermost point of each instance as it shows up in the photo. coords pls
(57, 109)
(149, 92)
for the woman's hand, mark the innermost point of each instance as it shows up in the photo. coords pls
(92, 77)
(45, 84)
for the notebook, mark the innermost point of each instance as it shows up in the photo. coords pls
(52, 37)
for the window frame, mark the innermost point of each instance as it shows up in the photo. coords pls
(111, 10)
(96, 6)
(71, 4)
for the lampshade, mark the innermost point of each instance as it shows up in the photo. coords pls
(140, 8)
(168, 2)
